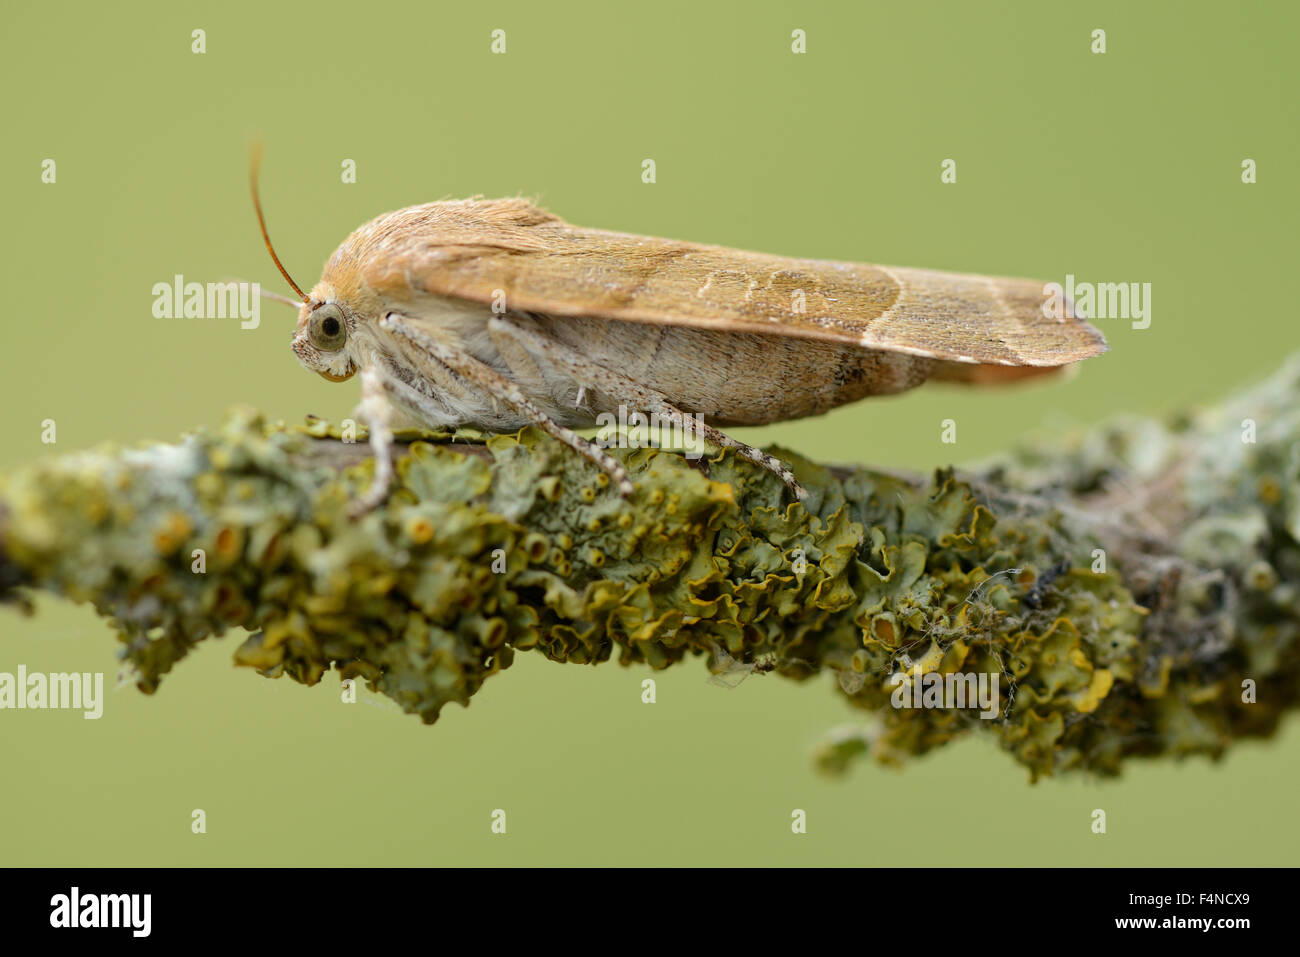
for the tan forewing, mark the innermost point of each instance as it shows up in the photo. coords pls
(479, 249)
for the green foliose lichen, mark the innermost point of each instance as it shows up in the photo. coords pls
(485, 550)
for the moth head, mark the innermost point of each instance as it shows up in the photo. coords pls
(321, 340)
(324, 326)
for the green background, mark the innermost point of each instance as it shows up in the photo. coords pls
(1116, 167)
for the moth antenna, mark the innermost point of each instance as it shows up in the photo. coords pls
(254, 168)
(267, 294)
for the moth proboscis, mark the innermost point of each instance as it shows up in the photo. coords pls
(495, 314)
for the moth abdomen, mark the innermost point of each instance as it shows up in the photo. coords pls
(738, 378)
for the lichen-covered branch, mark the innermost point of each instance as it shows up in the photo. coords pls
(1136, 590)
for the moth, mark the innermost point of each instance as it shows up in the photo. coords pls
(495, 314)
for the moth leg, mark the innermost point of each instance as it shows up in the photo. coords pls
(502, 388)
(588, 374)
(377, 413)
(757, 456)
(689, 425)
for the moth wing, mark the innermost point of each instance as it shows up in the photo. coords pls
(511, 252)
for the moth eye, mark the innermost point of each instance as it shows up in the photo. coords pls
(326, 330)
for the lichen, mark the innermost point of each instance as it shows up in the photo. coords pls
(490, 547)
